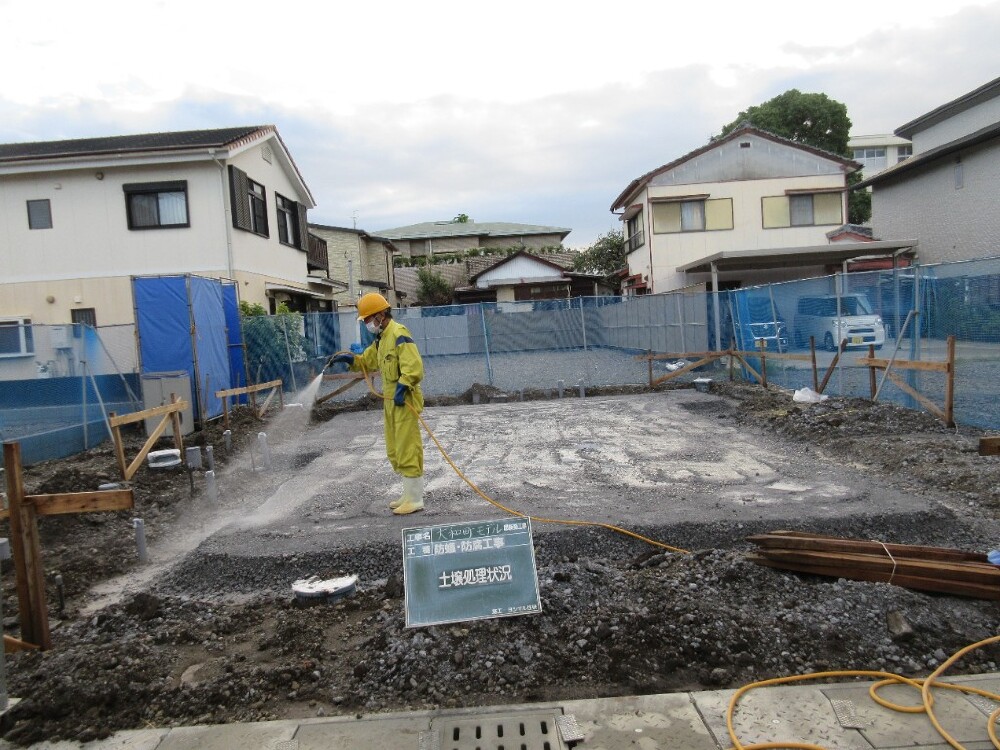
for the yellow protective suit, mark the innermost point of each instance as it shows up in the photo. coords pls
(397, 359)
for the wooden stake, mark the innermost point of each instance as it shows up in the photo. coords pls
(832, 367)
(872, 384)
(949, 388)
(27, 553)
(812, 354)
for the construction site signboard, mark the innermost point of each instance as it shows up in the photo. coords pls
(469, 571)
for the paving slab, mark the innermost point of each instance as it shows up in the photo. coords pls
(891, 729)
(781, 713)
(264, 735)
(377, 732)
(648, 722)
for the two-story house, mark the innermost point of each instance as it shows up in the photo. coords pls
(79, 218)
(945, 195)
(745, 209)
(359, 262)
(442, 237)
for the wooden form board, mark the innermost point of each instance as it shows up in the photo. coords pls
(23, 511)
(275, 386)
(167, 412)
(940, 569)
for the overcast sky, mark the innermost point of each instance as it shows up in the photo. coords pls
(534, 112)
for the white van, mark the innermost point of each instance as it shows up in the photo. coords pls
(854, 321)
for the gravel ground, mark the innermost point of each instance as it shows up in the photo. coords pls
(618, 617)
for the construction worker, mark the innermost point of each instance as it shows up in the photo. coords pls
(397, 359)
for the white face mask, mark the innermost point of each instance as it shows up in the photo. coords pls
(372, 327)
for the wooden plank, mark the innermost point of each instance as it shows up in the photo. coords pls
(903, 364)
(688, 368)
(27, 553)
(967, 572)
(138, 416)
(248, 389)
(989, 446)
(61, 503)
(832, 367)
(802, 540)
(911, 582)
(924, 401)
(345, 387)
(137, 461)
(267, 402)
(739, 356)
(119, 448)
(12, 645)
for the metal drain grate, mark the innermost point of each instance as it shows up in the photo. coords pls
(847, 715)
(285, 745)
(526, 731)
(981, 702)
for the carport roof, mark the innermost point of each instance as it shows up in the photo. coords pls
(793, 257)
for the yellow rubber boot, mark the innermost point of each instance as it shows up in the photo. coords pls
(413, 496)
(401, 499)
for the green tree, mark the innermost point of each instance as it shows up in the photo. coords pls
(432, 289)
(272, 342)
(605, 256)
(815, 120)
(461, 219)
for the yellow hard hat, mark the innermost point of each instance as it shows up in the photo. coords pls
(371, 303)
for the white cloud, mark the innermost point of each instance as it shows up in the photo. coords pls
(535, 113)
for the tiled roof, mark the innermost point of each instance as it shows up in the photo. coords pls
(123, 144)
(740, 131)
(429, 229)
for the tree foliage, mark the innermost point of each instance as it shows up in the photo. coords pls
(605, 256)
(272, 342)
(432, 289)
(814, 120)
(461, 219)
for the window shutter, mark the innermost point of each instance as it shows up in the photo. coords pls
(239, 189)
(303, 227)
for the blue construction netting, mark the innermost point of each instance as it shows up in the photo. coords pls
(60, 382)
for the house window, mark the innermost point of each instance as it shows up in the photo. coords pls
(692, 216)
(39, 214)
(156, 205)
(802, 210)
(872, 159)
(288, 221)
(248, 202)
(635, 238)
(903, 153)
(16, 339)
(83, 316)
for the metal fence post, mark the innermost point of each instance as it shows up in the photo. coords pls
(486, 343)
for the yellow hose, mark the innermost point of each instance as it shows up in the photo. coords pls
(502, 507)
(886, 678)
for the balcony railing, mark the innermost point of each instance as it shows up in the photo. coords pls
(316, 255)
(635, 241)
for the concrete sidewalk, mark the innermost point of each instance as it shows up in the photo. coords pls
(836, 716)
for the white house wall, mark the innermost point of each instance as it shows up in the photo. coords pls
(265, 256)
(518, 270)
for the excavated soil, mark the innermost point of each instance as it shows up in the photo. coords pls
(615, 620)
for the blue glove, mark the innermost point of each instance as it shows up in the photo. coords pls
(400, 398)
(357, 348)
(340, 362)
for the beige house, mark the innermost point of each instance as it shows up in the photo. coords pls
(79, 218)
(748, 208)
(442, 237)
(359, 262)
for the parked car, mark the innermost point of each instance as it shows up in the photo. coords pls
(854, 321)
(758, 320)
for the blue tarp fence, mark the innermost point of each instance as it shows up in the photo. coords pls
(183, 324)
